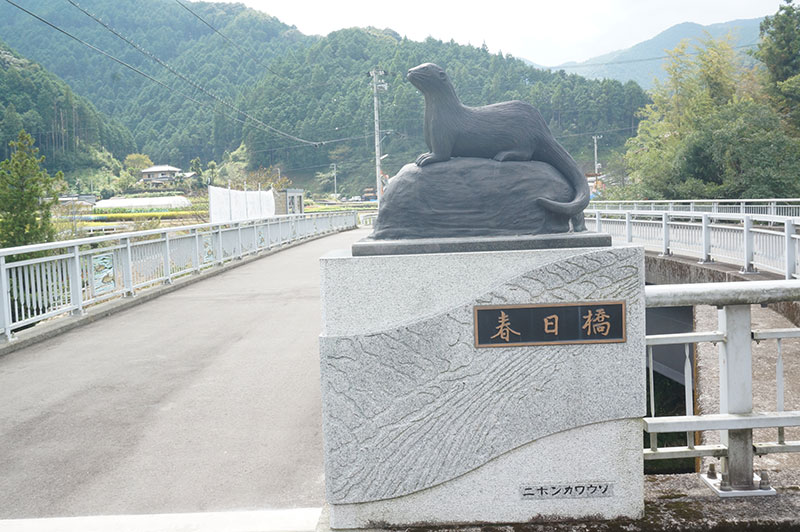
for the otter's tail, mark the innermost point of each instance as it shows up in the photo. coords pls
(558, 157)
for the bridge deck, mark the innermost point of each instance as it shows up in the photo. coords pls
(204, 399)
(207, 399)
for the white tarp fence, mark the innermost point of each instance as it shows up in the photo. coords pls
(225, 205)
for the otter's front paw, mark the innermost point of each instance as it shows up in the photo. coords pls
(424, 159)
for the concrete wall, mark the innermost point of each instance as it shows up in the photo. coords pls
(678, 270)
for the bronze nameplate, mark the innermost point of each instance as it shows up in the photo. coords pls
(563, 323)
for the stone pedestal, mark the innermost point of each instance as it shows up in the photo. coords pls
(421, 426)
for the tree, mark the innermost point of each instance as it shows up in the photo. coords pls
(10, 127)
(779, 50)
(27, 193)
(136, 162)
(211, 170)
(197, 167)
(707, 134)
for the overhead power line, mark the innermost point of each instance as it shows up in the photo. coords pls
(197, 86)
(215, 30)
(253, 57)
(259, 125)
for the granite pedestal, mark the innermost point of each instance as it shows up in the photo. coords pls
(423, 427)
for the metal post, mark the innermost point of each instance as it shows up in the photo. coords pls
(665, 234)
(5, 300)
(779, 389)
(706, 240)
(127, 273)
(748, 245)
(597, 222)
(220, 253)
(790, 249)
(75, 284)
(239, 237)
(628, 227)
(198, 261)
(375, 73)
(167, 260)
(736, 391)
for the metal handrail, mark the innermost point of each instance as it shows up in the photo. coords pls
(754, 242)
(70, 275)
(734, 338)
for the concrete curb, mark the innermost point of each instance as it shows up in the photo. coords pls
(288, 520)
(44, 331)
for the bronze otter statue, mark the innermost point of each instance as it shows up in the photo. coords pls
(507, 131)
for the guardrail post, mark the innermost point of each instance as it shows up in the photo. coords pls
(5, 302)
(748, 245)
(742, 208)
(715, 207)
(736, 391)
(198, 261)
(706, 240)
(790, 248)
(75, 284)
(220, 255)
(773, 208)
(167, 260)
(597, 222)
(239, 237)
(665, 234)
(628, 227)
(127, 272)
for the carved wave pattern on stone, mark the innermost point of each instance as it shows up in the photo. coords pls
(443, 408)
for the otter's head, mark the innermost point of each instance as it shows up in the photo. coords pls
(429, 78)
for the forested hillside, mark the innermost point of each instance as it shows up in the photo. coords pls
(332, 99)
(166, 125)
(315, 88)
(68, 130)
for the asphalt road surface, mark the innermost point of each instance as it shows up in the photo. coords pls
(204, 399)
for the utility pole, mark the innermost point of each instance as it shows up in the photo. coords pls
(596, 164)
(377, 85)
(334, 179)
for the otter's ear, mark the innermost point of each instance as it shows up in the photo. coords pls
(442, 74)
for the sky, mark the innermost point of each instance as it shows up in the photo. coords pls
(547, 32)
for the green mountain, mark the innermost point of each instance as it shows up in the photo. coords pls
(643, 62)
(166, 125)
(314, 88)
(337, 102)
(68, 130)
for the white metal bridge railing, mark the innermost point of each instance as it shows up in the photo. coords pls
(42, 281)
(754, 242)
(767, 207)
(736, 419)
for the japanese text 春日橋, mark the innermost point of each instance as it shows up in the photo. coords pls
(581, 490)
(508, 325)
